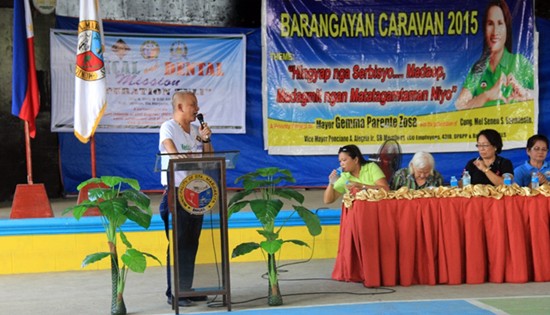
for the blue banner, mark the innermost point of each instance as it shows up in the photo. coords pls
(430, 74)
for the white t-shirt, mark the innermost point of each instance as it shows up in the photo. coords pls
(184, 142)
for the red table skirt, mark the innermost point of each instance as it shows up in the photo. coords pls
(444, 241)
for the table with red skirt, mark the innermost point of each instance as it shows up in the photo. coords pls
(444, 241)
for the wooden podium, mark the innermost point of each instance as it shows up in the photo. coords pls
(200, 189)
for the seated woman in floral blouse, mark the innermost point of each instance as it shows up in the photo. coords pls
(420, 174)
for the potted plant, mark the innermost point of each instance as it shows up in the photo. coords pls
(117, 204)
(264, 184)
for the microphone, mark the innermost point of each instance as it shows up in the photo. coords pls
(201, 119)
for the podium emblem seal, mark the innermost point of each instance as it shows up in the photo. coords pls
(198, 193)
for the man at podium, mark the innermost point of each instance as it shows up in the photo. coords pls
(178, 135)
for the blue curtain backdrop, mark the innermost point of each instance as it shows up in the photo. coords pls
(134, 154)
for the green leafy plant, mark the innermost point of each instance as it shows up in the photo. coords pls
(266, 185)
(117, 205)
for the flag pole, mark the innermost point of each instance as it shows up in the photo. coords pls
(90, 94)
(28, 153)
(30, 200)
(92, 155)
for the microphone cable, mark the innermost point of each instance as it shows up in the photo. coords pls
(213, 302)
(383, 290)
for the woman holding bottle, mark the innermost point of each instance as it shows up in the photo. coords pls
(488, 168)
(357, 174)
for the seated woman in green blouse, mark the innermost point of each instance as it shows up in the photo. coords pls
(420, 174)
(357, 173)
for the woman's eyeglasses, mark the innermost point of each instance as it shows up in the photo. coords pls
(539, 149)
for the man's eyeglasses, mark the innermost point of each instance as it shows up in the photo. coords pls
(483, 146)
(539, 149)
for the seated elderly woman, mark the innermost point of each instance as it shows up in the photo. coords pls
(420, 174)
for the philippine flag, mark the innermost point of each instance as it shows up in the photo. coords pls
(90, 97)
(25, 96)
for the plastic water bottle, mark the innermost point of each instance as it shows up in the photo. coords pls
(508, 179)
(454, 181)
(534, 180)
(466, 179)
(339, 171)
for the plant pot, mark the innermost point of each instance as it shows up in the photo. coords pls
(117, 301)
(119, 308)
(274, 297)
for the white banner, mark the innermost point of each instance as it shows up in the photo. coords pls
(143, 71)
